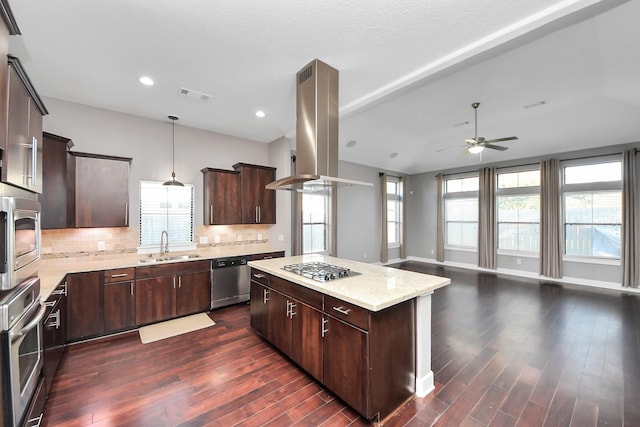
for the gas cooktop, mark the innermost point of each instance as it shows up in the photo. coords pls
(320, 271)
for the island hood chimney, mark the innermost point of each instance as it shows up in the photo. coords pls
(316, 132)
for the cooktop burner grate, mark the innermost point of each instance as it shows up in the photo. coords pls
(319, 271)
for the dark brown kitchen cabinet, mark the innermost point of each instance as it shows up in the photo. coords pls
(267, 255)
(22, 160)
(222, 197)
(365, 358)
(101, 190)
(193, 294)
(258, 203)
(164, 291)
(55, 333)
(58, 188)
(85, 305)
(119, 299)
(4, 75)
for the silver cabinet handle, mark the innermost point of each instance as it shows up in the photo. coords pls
(35, 422)
(288, 308)
(291, 312)
(126, 213)
(265, 295)
(50, 303)
(131, 287)
(34, 161)
(258, 276)
(211, 214)
(113, 276)
(256, 214)
(55, 320)
(342, 310)
(61, 291)
(180, 281)
(259, 214)
(324, 330)
(174, 282)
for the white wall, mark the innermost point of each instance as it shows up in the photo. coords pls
(148, 142)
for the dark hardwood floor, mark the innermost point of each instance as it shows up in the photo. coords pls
(505, 352)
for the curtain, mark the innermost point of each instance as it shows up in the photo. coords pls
(440, 220)
(403, 224)
(550, 223)
(487, 255)
(629, 234)
(384, 245)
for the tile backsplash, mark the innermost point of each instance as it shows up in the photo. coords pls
(74, 242)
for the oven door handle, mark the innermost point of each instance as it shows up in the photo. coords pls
(29, 326)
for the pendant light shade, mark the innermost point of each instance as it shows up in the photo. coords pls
(173, 180)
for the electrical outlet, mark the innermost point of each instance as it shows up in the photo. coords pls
(518, 261)
(216, 239)
(204, 240)
(432, 252)
(101, 246)
(239, 237)
(259, 236)
(281, 237)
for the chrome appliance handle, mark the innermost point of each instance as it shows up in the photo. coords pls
(29, 326)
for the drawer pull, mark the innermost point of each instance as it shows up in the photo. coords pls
(50, 303)
(265, 296)
(324, 331)
(113, 276)
(342, 310)
(259, 276)
(55, 320)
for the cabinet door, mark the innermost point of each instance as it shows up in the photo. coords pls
(260, 308)
(222, 197)
(193, 293)
(35, 136)
(346, 363)
(55, 198)
(119, 306)
(266, 198)
(54, 337)
(85, 305)
(306, 338)
(155, 299)
(102, 192)
(17, 159)
(279, 333)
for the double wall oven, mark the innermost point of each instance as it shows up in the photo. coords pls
(21, 311)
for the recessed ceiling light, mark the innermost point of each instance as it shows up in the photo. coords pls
(146, 80)
(260, 114)
(392, 155)
(351, 143)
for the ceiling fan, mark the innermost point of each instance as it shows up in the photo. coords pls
(478, 143)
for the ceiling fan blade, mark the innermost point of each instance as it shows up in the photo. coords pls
(471, 141)
(495, 147)
(508, 138)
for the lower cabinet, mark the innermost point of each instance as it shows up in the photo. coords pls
(365, 358)
(119, 299)
(85, 305)
(55, 333)
(165, 291)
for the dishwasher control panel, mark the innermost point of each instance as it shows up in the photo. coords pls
(228, 262)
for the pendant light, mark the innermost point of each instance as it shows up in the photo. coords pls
(173, 181)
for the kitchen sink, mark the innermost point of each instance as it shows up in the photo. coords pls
(168, 258)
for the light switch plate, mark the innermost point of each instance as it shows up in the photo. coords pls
(101, 246)
(259, 236)
(204, 240)
(216, 239)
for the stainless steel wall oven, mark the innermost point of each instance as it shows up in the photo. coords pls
(19, 240)
(21, 349)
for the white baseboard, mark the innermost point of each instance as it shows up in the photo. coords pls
(528, 274)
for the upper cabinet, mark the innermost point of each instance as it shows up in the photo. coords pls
(22, 160)
(58, 191)
(258, 203)
(221, 197)
(101, 190)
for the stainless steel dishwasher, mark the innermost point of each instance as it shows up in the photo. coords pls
(230, 281)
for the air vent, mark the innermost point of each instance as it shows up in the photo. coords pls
(193, 94)
(305, 74)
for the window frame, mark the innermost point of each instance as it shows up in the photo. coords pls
(459, 195)
(173, 246)
(591, 188)
(515, 192)
(327, 221)
(395, 198)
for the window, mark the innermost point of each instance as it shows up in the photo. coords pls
(166, 208)
(394, 211)
(518, 211)
(461, 212)
(592, 196)
(315, 222)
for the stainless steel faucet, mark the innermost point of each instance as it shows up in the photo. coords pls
(164, 244)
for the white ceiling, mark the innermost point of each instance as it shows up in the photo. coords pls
(409, 70)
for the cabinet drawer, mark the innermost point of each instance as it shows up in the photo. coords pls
(170, 269)
(350, 313)
(293, 290)
(267, 255)
(119, 275)
(260, 277)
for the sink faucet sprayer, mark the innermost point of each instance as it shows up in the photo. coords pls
(164, 244)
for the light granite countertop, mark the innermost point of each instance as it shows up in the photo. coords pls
(376, 288)
(53, 271)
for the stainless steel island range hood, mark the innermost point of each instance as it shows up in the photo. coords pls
(316, 132)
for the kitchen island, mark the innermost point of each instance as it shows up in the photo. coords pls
(366, 337)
